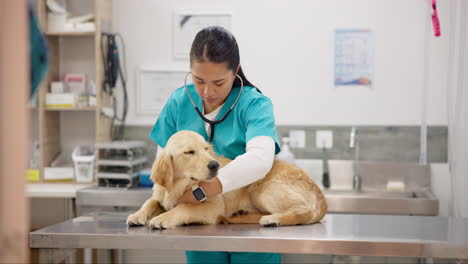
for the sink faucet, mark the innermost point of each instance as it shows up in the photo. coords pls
(354, 143)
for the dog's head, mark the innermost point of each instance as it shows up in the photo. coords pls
(188, 157)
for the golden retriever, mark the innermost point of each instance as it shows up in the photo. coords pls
(285, 196)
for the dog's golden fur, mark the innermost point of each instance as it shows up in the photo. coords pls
(285, 196)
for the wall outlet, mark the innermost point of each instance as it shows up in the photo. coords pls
(297, 138)
(324, 139)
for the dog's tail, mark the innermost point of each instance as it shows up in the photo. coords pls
(250, 218)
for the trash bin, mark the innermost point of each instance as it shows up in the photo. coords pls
(83, 157)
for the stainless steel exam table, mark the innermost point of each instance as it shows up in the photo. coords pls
(340, 234)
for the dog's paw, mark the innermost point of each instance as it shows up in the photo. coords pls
(137, 219)
(222, 220)
(163, 221)
(240, 212)
(269, 221)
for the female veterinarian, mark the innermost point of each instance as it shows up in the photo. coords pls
(225, 108)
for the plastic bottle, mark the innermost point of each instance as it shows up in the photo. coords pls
(286, 154)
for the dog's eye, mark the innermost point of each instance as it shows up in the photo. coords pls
(206, 148)
(190, 152)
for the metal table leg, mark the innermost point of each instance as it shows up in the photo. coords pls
(88, 256)
(70, 208)
(103, 256)
(71, 259)
(56, 255)
(118, 256)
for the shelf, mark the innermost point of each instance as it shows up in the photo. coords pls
(71, 34)
(53, 134)
(89, 108)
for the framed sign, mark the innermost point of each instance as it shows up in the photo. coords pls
(187, 25)
(154, 88)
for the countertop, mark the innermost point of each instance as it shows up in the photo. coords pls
(339, 201)
(107, 196)
(54, 190)
(342, 234)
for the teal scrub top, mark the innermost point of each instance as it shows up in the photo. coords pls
(251, 117)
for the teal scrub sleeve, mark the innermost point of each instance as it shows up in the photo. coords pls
(165, 126)
(260, 121)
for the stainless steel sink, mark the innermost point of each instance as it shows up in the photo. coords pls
(417, 199)
(380, 195)
(382, 202)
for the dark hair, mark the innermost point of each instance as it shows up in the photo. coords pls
(216, 44)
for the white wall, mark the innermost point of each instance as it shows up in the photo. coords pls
(464, 145)
(287, 50)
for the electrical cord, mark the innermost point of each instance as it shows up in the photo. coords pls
(112, 71)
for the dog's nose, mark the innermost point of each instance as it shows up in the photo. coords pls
(213, 165)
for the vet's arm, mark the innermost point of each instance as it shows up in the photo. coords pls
(249, 167)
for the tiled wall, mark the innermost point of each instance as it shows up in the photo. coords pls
(377, 143)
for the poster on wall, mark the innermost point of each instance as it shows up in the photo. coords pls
(353, 57)
(154, 87)
(187, 25)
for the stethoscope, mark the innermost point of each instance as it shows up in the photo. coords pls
(212, 123)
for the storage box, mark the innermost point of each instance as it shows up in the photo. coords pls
(58, 173)
(60, 100)
(92, 100)
(57, 87)
(76, 82)
(60, 169)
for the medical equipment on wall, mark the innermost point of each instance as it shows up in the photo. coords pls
(119, 163)
(212, 123)
(112, 71)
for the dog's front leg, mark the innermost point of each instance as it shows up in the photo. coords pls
(150, 209)
(204, 213)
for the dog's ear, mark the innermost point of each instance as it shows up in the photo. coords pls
(162, 172)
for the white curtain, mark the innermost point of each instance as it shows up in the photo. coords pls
(457, 109)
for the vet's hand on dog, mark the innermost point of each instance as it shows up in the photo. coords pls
(188, 198)
(211, 188)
